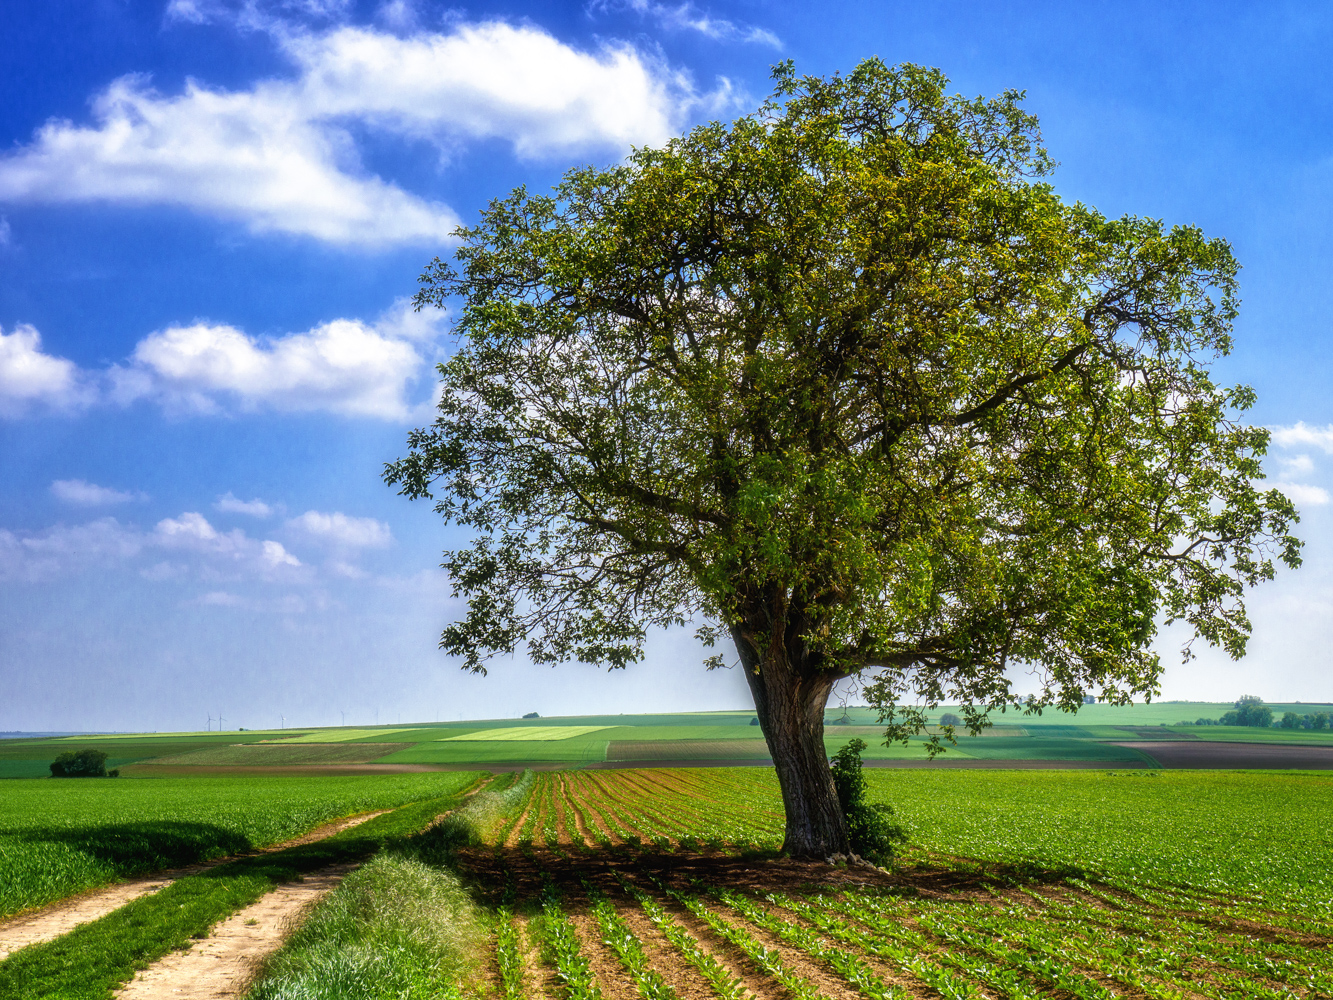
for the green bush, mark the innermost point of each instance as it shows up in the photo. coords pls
(871, 826)
(80, 764)
(949, 719)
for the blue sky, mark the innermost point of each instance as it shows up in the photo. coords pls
(212, 213)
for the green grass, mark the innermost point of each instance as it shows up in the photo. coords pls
(90, 961)
(1056, 748)
(1248, 734)
(61, 837)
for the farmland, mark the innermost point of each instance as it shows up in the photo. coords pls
(662, 883)
(1098, 735)
(58, 838)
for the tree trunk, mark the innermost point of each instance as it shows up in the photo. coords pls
(790, 706)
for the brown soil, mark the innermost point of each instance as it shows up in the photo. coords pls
(1210, 754)
(62, 917)
(280, 754)
(293, 770)
(224, 963)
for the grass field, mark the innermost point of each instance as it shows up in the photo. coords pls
(279, 754)
(61, 837)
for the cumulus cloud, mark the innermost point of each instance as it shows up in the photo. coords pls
(196, 546)
(229, 504)
(84, 494)
(346, 366)
(1304, 495)
(1300, 435)
(31, 380)
(341, 530)
(281, 157)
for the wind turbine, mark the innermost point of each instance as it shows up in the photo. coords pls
(210, 722)
(220, 721)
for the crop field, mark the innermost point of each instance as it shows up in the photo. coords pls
(58, 838)
(663, 884)
(527, 733)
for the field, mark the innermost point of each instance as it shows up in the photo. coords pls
(665, 883)
(1097, 734)
(662, 884)
(58, 838)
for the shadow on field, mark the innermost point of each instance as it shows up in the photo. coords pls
(518, 876)
(147, 846)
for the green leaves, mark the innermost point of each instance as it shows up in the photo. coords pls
(846, 379)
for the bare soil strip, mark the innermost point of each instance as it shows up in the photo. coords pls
(62, 917)
(1209, 754)
(663, 956)
(612, 979)
(224, 963)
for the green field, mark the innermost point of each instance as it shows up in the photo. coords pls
(60, 837)
(526, 733)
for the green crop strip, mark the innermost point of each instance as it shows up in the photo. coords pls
(508, 957)
(724, 984)
(560, 949)
(62, 837)
(616, 934)
(90, 961)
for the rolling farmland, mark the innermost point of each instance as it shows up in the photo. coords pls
(662, 883)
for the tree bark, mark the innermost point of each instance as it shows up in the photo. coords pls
(790, 705)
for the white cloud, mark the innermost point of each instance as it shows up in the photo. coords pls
(229, 504)
(30, 379)
(1296, 465)
(84, 494)
(1299, 435)
(281, 158)
(687, 17)
(1303, 495)
(345, 366)
(339, 529)
(66, 549)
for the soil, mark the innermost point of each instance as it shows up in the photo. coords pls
(62, 917)
(1209, 754)
(224, 963)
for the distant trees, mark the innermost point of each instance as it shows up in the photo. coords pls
(80, 764)
(1249, 711)
(949, 719)
(532, 715)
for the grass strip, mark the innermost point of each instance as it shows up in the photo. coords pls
(90, 961)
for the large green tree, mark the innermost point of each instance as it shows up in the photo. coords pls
(847, 380)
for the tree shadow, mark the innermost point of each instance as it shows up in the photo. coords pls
(134, 848)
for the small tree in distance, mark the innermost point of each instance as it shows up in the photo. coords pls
(79, 764)
(846, 381)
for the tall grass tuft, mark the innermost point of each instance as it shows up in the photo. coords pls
(396, 927)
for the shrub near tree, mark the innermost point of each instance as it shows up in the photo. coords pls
(849, 383)
(81, 764)
(871, 827)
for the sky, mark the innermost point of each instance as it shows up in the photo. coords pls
(213, 214)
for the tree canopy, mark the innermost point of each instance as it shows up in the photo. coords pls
(848, 383)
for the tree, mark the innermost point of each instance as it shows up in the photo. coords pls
(79, 764)
(1251, 711)
(846, 381)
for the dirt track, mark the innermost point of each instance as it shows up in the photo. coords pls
(63, 916)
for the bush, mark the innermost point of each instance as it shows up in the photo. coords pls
(949, 719)
(1290, 720)
(80, 764)
(871, 827)
(754, 721)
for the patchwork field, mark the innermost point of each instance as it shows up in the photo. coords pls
(665, 883)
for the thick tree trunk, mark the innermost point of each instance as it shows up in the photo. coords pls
(790, 706)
